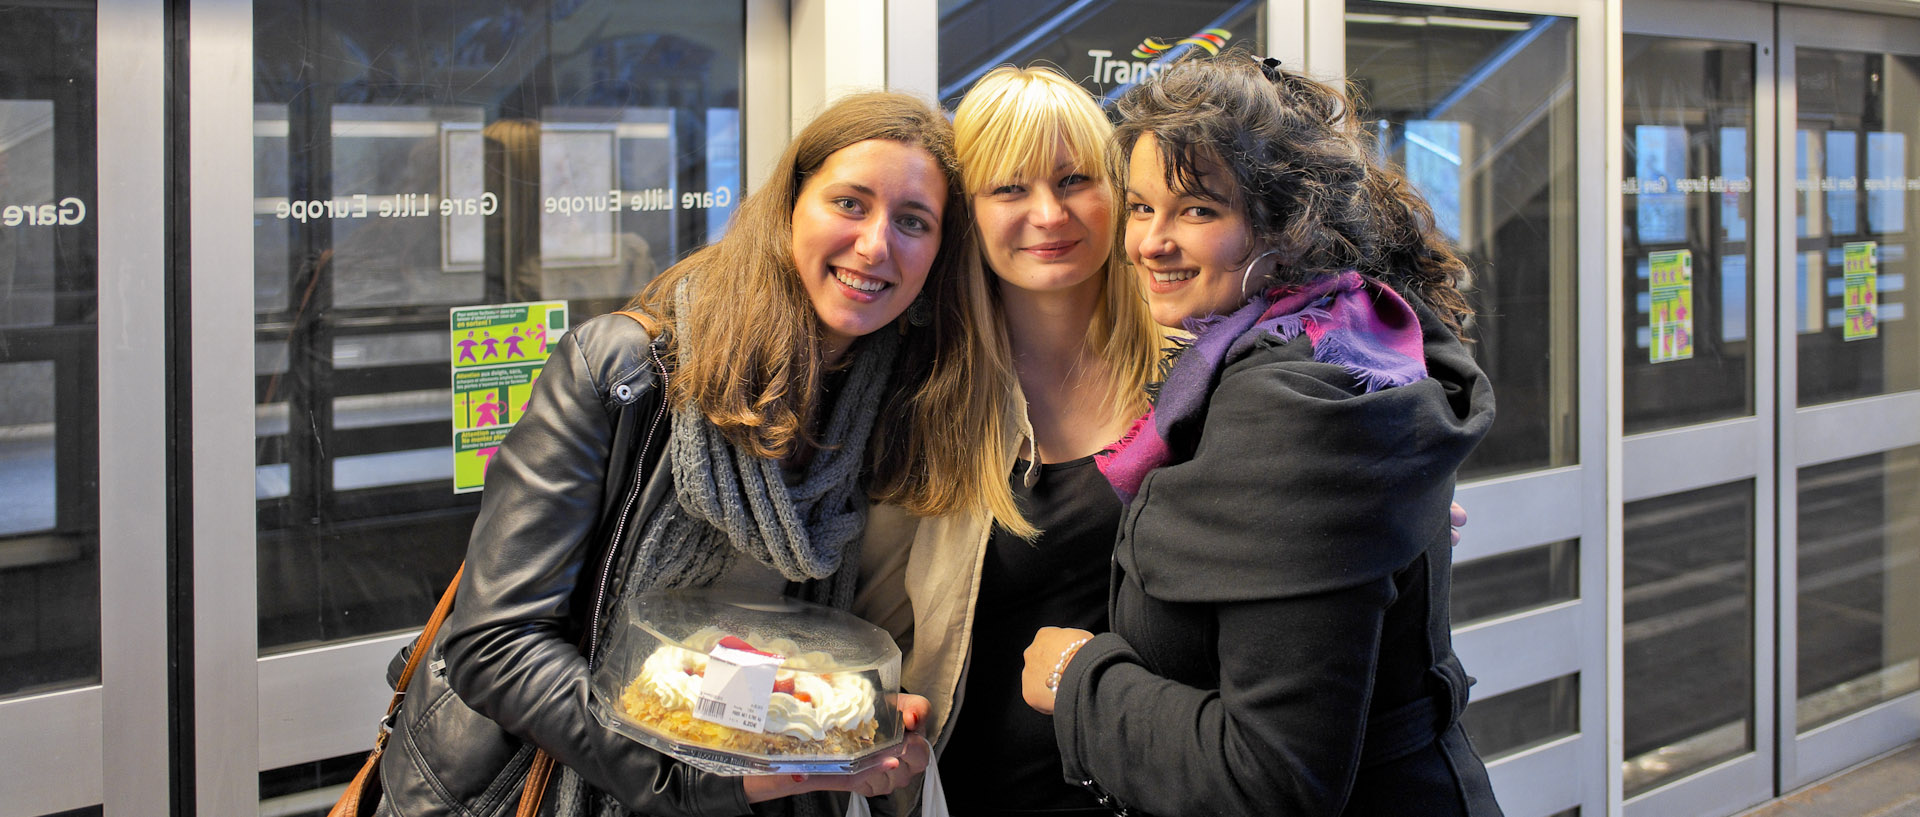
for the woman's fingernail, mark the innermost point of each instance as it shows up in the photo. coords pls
(799, 778)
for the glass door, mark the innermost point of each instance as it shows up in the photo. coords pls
(1850, 389)
(1494, 110)
(1697, 387)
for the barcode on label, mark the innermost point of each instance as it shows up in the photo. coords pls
(709, 709)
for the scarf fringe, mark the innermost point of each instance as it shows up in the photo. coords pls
(1290, 326)
(1339, 350)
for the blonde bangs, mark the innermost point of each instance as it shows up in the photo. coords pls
(1007, 128)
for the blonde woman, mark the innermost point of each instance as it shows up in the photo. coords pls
(1071, 350)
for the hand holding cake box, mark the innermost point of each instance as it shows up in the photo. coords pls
(742, 684)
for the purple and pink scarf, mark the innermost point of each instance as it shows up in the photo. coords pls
(1352, 321)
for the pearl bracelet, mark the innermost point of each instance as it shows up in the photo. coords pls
(1060, 666)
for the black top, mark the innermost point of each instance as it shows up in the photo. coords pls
(1002, 759)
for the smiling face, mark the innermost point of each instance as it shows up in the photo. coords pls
(866, 228)
(1048, 233)
(1190, 248)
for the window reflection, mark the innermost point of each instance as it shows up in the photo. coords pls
(27, 278)
(1734, 158)
(1659, 161)
(1809, 205)
(1689, 115)
(1886, 182)
(1433, 165)
(391, 172)
(1479, 108)
(404, 165)
(1841, 207)
(28, 468)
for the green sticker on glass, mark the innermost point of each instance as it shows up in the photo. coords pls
(1671, 273)
(498, 351)
(1862, 290)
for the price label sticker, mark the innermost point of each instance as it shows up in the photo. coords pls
(736, 688)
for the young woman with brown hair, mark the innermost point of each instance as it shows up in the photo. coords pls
(725, 443)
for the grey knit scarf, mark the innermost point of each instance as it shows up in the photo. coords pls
(728, 502)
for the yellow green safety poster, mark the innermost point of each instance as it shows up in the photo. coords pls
(1671, 273)
(1862, 290)
(498, 351)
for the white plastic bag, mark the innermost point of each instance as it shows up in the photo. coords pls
(933, 799)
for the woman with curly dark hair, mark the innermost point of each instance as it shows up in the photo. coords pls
(1280, 635)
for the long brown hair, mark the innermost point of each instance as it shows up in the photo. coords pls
(757, 371)
(1306, 169)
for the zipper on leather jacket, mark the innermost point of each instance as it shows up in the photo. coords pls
(626, 512)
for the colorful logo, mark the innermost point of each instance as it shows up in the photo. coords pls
(1211, 39)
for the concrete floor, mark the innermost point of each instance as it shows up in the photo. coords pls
(1885, 787)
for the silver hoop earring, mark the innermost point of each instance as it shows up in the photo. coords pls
(1248, 275)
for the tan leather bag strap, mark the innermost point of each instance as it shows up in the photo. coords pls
(420, 644)
(536, 790)
(645, 320)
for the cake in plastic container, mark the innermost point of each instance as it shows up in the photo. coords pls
(746, 683)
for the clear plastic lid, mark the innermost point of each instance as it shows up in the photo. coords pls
(749, 683)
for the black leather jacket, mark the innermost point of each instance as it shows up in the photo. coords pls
(564, 483)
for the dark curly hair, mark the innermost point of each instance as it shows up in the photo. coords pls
(1306, 170)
